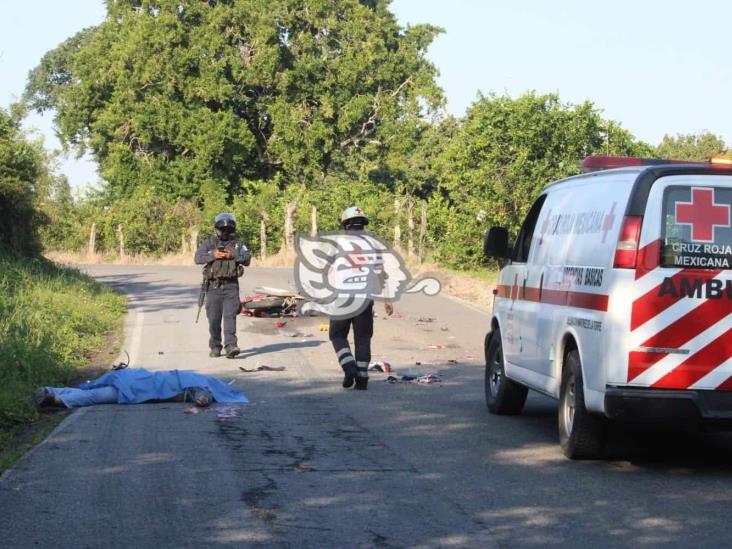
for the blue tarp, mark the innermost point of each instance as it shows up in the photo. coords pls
(136, 385)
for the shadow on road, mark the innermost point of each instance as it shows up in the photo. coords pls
(152, 295)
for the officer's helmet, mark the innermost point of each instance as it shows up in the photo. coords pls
(225, 225)
(353, 218)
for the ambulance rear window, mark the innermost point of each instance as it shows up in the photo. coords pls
(697, 232)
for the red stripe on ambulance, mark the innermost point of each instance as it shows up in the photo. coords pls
(651, 304)
(699, 364)
(580, 300)
(649, 257)
(678, 333)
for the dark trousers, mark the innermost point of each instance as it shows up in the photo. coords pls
(222, 302)
(363, 329)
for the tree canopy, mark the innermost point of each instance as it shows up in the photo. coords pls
(503, 154)
(193, 107)
(701, 147)
(194, 98)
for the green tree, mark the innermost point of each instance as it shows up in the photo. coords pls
(701, 147)
(191, 98)
(502, 155)
(23, 167)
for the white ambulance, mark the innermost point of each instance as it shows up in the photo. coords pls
(616, 299)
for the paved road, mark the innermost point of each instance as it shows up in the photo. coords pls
(308, 464)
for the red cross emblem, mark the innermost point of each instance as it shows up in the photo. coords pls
(703, 214)
(607, 224)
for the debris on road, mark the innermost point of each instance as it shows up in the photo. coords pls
(468, 356)
(425, 319)
(380, 367)
(426, 379)
(452, 361)
(263, 368)
(323, 327)
(437, 346)
(429, 378)
(279, 324)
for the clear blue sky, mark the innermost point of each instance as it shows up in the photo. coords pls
(655, 66)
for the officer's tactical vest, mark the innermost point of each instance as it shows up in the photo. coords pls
(223, 268)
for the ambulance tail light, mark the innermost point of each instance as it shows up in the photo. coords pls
(626, 252)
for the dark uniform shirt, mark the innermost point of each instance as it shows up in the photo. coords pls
(222, 268)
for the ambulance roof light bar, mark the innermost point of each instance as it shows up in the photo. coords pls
(721, 161)
(596, 163)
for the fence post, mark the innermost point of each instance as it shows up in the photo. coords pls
(423, 232)
(289, 244)
(194, 238)
(91, 250)
(263, 237)
(397, 227)
(121, 239)
(314, 222)
(410, 226)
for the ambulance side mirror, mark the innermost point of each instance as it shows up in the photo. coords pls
(496, 243)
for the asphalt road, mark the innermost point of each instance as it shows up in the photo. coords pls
(309, 464)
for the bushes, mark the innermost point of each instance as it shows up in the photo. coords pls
(51, 320)
(21, 167)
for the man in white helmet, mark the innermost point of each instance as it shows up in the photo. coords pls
(355, 369)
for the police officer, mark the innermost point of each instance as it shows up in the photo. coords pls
(224, 257)
(355, 369)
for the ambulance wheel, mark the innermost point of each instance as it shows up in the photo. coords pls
(502, 396)
(580, 433)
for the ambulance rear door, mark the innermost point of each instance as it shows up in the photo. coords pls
(680, 323)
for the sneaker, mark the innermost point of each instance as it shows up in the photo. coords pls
(362, 383)
(215, 352)
(231, 351)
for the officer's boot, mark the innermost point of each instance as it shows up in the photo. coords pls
(349, 374)
(362, 376)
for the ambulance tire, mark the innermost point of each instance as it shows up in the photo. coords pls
(502, 395)
(580, 433)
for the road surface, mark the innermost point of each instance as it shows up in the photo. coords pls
(309, 464)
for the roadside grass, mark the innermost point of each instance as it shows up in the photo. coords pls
(52, 321)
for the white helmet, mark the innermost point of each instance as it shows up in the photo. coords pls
(353, 216)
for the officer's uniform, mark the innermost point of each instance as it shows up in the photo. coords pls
(355, 369)
(222, 296)
(363, 330)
